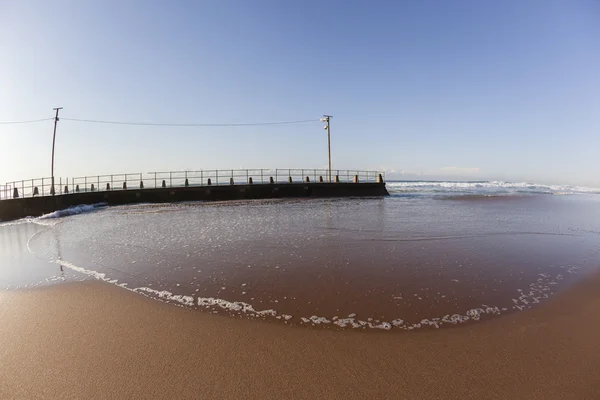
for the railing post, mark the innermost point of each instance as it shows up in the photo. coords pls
(217, 176)
(170, 179)
(23, 188)
(201, 178)
(111, 183)
(98, 182)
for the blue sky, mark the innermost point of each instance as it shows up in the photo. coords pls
(434, 89)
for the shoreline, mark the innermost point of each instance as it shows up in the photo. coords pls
(94, 340)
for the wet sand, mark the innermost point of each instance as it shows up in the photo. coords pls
(391, 263)
(95, 340)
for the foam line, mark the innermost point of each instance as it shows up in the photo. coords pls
(536, 291)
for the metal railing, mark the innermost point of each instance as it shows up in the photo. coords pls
(172, 179)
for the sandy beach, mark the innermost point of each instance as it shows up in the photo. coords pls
(95, 340)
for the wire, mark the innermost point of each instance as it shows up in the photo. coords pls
(25, 122)
(183, 125)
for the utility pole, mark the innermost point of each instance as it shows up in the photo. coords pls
(52, 190)
(326, 118)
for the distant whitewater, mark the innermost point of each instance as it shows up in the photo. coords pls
(481, 188)
(48, 219)
(80, 209)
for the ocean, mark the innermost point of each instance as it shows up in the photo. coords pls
(431, 255)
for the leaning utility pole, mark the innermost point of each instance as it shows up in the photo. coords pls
(52, 190)
(328, 127)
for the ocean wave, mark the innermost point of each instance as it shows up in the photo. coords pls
(485, 188)
(80, 209)
(50, 218)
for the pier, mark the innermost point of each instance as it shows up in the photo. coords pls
(35, 197)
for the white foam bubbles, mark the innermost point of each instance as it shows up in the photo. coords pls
(80, 209)
(536, 291)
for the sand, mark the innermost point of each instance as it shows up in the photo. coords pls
(95, 340)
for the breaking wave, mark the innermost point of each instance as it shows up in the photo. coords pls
(483, 188)
(80, 209)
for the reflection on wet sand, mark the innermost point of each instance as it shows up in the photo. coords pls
(369, 263)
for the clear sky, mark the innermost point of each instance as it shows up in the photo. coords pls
(434, 89)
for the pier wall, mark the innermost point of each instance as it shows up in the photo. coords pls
(11, 209)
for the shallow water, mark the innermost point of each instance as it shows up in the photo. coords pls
(398, 262)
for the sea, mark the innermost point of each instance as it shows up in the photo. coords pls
(432, 255)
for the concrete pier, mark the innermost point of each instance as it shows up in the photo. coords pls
(20, 207)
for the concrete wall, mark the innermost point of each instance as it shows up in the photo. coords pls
(36, 206)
